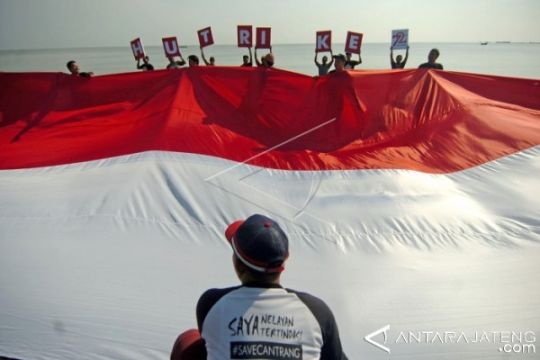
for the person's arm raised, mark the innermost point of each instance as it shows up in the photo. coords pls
(203, 57)
(257, 58)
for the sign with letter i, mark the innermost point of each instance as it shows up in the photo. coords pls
(353, 42)
(137, 48)
(323, 41)
(400, 39)
(205, 37)
(263, 38)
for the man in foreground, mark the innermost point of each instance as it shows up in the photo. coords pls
(260, 318)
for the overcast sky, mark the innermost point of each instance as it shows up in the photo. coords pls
(31, 24)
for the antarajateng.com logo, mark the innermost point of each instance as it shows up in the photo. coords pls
(512, 342)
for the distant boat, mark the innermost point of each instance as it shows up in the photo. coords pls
(503, 42)
(484, 43)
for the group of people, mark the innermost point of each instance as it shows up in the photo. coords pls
(341, 62)
(193, 60)
(344, 62)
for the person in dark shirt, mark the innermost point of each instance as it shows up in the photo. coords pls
(432, 58)
(212, 61)
(73, 68)
(350, 63)
(260, 249)
(193, 60)
(247, 60)
(325, 65)
(176, 64)
(399, 63)
(145, 66)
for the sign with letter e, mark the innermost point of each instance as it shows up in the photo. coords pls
(137, 48)
(170, 46)
(263, 38)
(353, 42)
(323, 41)
(400, 39)
(205, 37)
(245, 36)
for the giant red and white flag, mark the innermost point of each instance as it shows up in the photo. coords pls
(410, 199)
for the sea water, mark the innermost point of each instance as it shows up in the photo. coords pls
(504, 59)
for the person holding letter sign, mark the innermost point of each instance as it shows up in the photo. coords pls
(247, 61)
(212, 61)
(176, 64)
(244, 37)
(400, 41)
(352, 45)
(399, 63)
(267, 60)
(263, 42)
(172, 50)
(323, 42)
(206, 39)
(145, 66)
(325, 65)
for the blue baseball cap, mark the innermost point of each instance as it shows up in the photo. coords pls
(259, 243)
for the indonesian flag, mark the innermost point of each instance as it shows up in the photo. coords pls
(410, 198)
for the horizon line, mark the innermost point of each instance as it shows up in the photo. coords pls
(277, 44)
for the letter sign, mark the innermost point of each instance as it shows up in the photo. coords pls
(263, 38)
(137, 48)
(205, 37)
(353, 42)
(400, 39)
(170, 45)
(245, 36)
(323, 41)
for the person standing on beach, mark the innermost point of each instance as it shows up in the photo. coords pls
(432, 58)
(175, 64)
(212, 61)
(399, 63)
(234, 321)
(73, 68)
(146, 66)
(247, 61)
(325, 65)
(350, 63)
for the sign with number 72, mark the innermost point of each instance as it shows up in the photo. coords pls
(400, 39)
